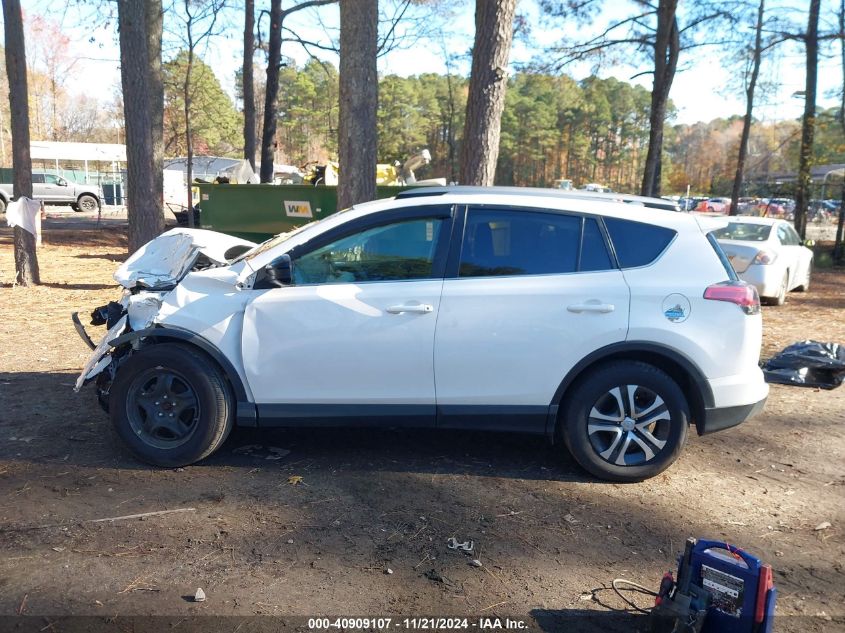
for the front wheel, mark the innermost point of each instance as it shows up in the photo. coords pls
(625, 421)
(171, 405)
(87, 203)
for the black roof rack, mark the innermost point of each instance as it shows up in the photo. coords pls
(572, 194)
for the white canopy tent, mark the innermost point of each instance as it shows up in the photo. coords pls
(113, 153)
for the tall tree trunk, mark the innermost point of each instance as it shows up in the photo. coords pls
(749, 108)
(143, 205)
(450, 135)
(487, 86)
(248, 83)
(666, 50)
(274, 61)
(357, 142)
(838, 250)
(838, 254)
(26, 261)
(808, 125)
(189, 137)
(154, 19)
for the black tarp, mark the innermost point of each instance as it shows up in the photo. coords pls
(807, 364)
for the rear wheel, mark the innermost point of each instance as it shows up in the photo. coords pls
(625, 421)
(2, 206)
(171, 405)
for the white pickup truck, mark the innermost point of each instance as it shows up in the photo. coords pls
(53, 189)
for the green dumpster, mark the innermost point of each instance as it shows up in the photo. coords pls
(257, 212)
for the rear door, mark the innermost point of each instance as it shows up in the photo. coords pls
(528, 294)
(39, 188)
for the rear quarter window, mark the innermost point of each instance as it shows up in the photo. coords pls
(637, 243)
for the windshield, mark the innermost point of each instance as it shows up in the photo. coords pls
(744, 231)
(280, 238)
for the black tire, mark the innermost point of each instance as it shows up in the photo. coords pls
(87, 202)
(176, 429)
(2, 206)
(605, 448)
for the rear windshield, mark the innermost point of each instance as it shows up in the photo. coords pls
(726, 263)
(744, 231)
(636, 243)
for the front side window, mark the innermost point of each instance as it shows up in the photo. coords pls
(392, 252)
(38, 179)
(505, 242)
(50, 179)
(794, 238)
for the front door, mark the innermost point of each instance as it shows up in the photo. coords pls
(352, 339)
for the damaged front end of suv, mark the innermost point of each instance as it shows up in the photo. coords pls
(151, 274)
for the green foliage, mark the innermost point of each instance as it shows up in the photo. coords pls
(592, 131)
(553, 127)
(829, 142)
(217, 126)
(307, 113)
(418, 112)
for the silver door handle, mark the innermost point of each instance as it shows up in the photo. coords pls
(416, 308)
(602, 308)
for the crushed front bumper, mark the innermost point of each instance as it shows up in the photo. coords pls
(101, 357)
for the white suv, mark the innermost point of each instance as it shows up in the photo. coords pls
(608, 327)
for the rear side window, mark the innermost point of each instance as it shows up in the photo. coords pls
(637, 243)
(502, 242)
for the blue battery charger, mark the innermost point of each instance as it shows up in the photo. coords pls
(741, 588)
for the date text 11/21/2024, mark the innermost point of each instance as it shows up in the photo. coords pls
(417, 624)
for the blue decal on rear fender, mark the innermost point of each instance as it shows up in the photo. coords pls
(676, 308)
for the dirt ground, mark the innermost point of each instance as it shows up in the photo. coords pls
(364, 531)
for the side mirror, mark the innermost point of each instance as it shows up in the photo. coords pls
(808, 243)
(61, 182)
(279, 272)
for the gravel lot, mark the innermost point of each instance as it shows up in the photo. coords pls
(260, 540)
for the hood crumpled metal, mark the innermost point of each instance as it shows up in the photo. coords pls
(162, 262)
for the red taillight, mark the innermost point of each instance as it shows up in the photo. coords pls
(742, 294)
(764, 257)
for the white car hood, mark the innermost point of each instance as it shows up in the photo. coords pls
(162, 262)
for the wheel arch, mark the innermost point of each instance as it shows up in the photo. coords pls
(89, 193)
(686, 373)
(245, 409)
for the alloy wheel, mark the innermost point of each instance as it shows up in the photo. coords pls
(629, 425)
